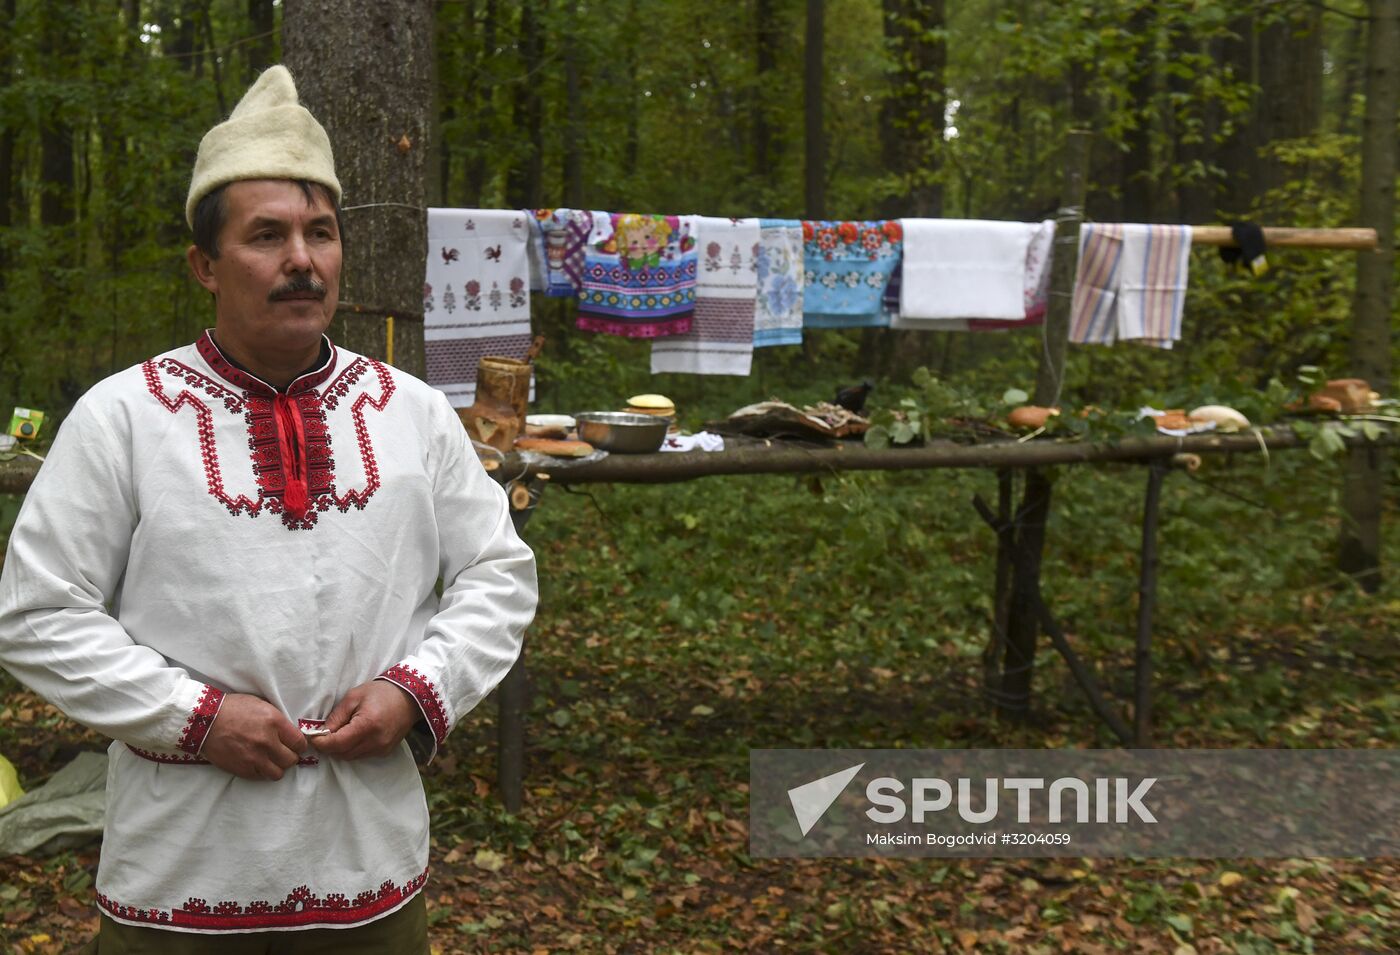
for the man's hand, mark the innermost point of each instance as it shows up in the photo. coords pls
(371, 720)
(252, 739)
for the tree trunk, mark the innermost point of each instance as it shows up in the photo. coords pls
(1284, 58)
(364, 71)
(262, 44)
(7, 140)
(573, 112)
(525, 183)
(480, 103)
(1363, 493)
(56, 170)
(1137, 166)
(911, 144)
(765, 62)
(815, 167)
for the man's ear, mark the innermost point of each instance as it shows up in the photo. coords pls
(202, 267)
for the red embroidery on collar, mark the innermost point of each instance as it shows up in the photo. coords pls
(423, 690)
(300, 909)
(209, 351)
(201, 718)
(259, 414)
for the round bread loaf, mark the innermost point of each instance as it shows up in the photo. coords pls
(556, 447)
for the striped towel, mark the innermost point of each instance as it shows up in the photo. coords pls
(778, 315)
(558, 238)
(638, 275)
(476, 295)
(720, 341)
(1130, 284)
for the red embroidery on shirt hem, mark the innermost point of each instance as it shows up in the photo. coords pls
(423, 690)
(301, 908)
(201, 718)
(184, 759)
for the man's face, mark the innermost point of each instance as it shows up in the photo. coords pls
(277, 278)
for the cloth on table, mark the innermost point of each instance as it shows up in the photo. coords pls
(558, 238)
(778, 313)
(476, 296)
(954, 270)
(639, 275)
(700, 441)
(848, 265)
(1130, 283)
(720, 341)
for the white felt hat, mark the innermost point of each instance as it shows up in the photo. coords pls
(269, 135)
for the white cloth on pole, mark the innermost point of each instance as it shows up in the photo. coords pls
(964, 268)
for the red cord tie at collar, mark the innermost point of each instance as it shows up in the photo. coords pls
(291, 441)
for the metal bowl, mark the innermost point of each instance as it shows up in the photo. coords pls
(621, 432)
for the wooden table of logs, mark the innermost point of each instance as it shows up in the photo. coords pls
(1159, 455)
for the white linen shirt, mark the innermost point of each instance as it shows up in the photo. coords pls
(159, 562)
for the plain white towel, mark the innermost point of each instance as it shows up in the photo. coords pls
(964, 268)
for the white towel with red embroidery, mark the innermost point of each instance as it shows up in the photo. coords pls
(720, 341)
(158, 563)
(476, 295)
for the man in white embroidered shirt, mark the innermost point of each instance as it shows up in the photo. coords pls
(228, 564)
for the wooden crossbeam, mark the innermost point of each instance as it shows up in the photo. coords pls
(1363, 240)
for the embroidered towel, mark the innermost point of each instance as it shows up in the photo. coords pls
(558, 238)
(639, 275)
(848, 265)
(778, 313)
(720, 342)
(1130, 283)
(476, 296)
(964, 268)
(1035, 290)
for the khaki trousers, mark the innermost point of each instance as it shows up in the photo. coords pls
(405, 932)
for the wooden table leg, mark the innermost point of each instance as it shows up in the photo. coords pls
(1147, 602)
(512, 703)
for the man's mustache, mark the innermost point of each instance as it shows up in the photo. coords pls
(297, 285)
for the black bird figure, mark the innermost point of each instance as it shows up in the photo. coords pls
(852, 397)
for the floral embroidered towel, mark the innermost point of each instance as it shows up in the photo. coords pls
(638, 275)
(720, 342)
(558, 238)
(476, 296)
(848, 265)
(778, 313)
(1034, 285)
(1130, 283)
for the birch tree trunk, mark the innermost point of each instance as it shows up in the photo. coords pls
(1364, 490)
(365, 71)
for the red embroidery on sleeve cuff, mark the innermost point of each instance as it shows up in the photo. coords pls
(201, 718)
(422, 690)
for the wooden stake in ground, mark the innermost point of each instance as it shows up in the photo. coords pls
(1359, 554)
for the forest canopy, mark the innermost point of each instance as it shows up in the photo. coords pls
(1201, 112)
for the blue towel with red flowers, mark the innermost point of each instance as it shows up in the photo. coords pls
(848, 264)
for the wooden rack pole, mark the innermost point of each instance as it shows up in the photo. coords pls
(1361, 240)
